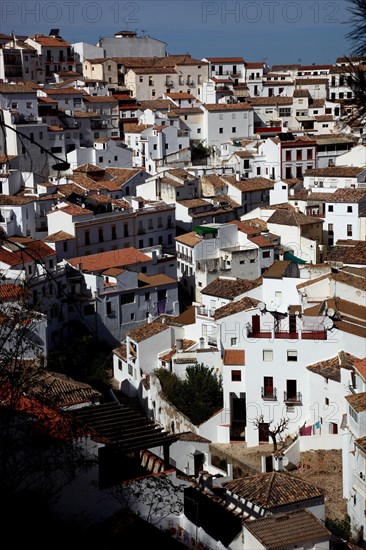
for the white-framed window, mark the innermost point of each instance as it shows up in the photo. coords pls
(267, 355)
(291, 355)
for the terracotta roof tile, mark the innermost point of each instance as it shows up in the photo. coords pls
(226, 106)
(299, 528)
(261, 241)
(336, 171)
(360, 365)
(58, 236)
(283, 216)
(331, 368)
(113, 258)
(49, 41)
(230, 288)
(225, 59)
(236, 307)
(147, 330)
(357, 401)
(252, 184)
(273, 489)
(354, 254)
(189, 239)
(234, 357)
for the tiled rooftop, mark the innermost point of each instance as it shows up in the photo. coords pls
(189, 239)
(230, 288)
(331, 368)
(113, 258)
(235, 307)
(147, 330)
(291, 530)
(357, 401)
(273, 489)
(336, 171)
(234, 357)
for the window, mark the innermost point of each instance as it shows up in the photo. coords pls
(327, 401)
(87, 237)
(349, 230)
(266, 254)
(114, 232)
(349, 208)
(100, 235)
(288, 155)
(119, 364)
(233, 341)
(127, 299)
(236, 376)
(108, 308)
(299, 154)
(291, 355)
(330, 228)
(267, 355)
(309, 154)
(258, 170)
(353, 414)
(147, 296)
(233, 129)
(330, 208)
(268, 389)
(221, 130)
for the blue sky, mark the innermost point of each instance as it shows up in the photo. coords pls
(275, 31)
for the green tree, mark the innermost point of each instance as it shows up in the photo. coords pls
(199, 396)
(82, 358)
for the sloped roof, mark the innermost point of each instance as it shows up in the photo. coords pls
(113, 258)
(331, 368)
(120, 425)
(235, 307)
(234, 357)
(283, 216)
(63, 391)
(230, 288)
(273, 489)
(288, 530)
(357, 401)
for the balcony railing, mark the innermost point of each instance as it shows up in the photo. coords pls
(291, 398)
(269, 395)
(205, 312)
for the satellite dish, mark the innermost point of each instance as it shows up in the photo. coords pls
(272, 306)
(261, 306)
(330, 312)
(328, 323)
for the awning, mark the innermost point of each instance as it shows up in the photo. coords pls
(291, 258)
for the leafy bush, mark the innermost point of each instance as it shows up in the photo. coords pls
(340, 527)
(199, 396)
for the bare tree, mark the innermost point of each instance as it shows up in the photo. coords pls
(274, 431)
(154, 497)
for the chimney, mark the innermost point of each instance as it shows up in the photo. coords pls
(202, 342)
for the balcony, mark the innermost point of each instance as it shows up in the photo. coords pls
(292, 399)
(269, 395)
(205, 312)
(359, 481)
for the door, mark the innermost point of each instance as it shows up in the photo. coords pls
(268, 386)
(256, 324)
(291, 390)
